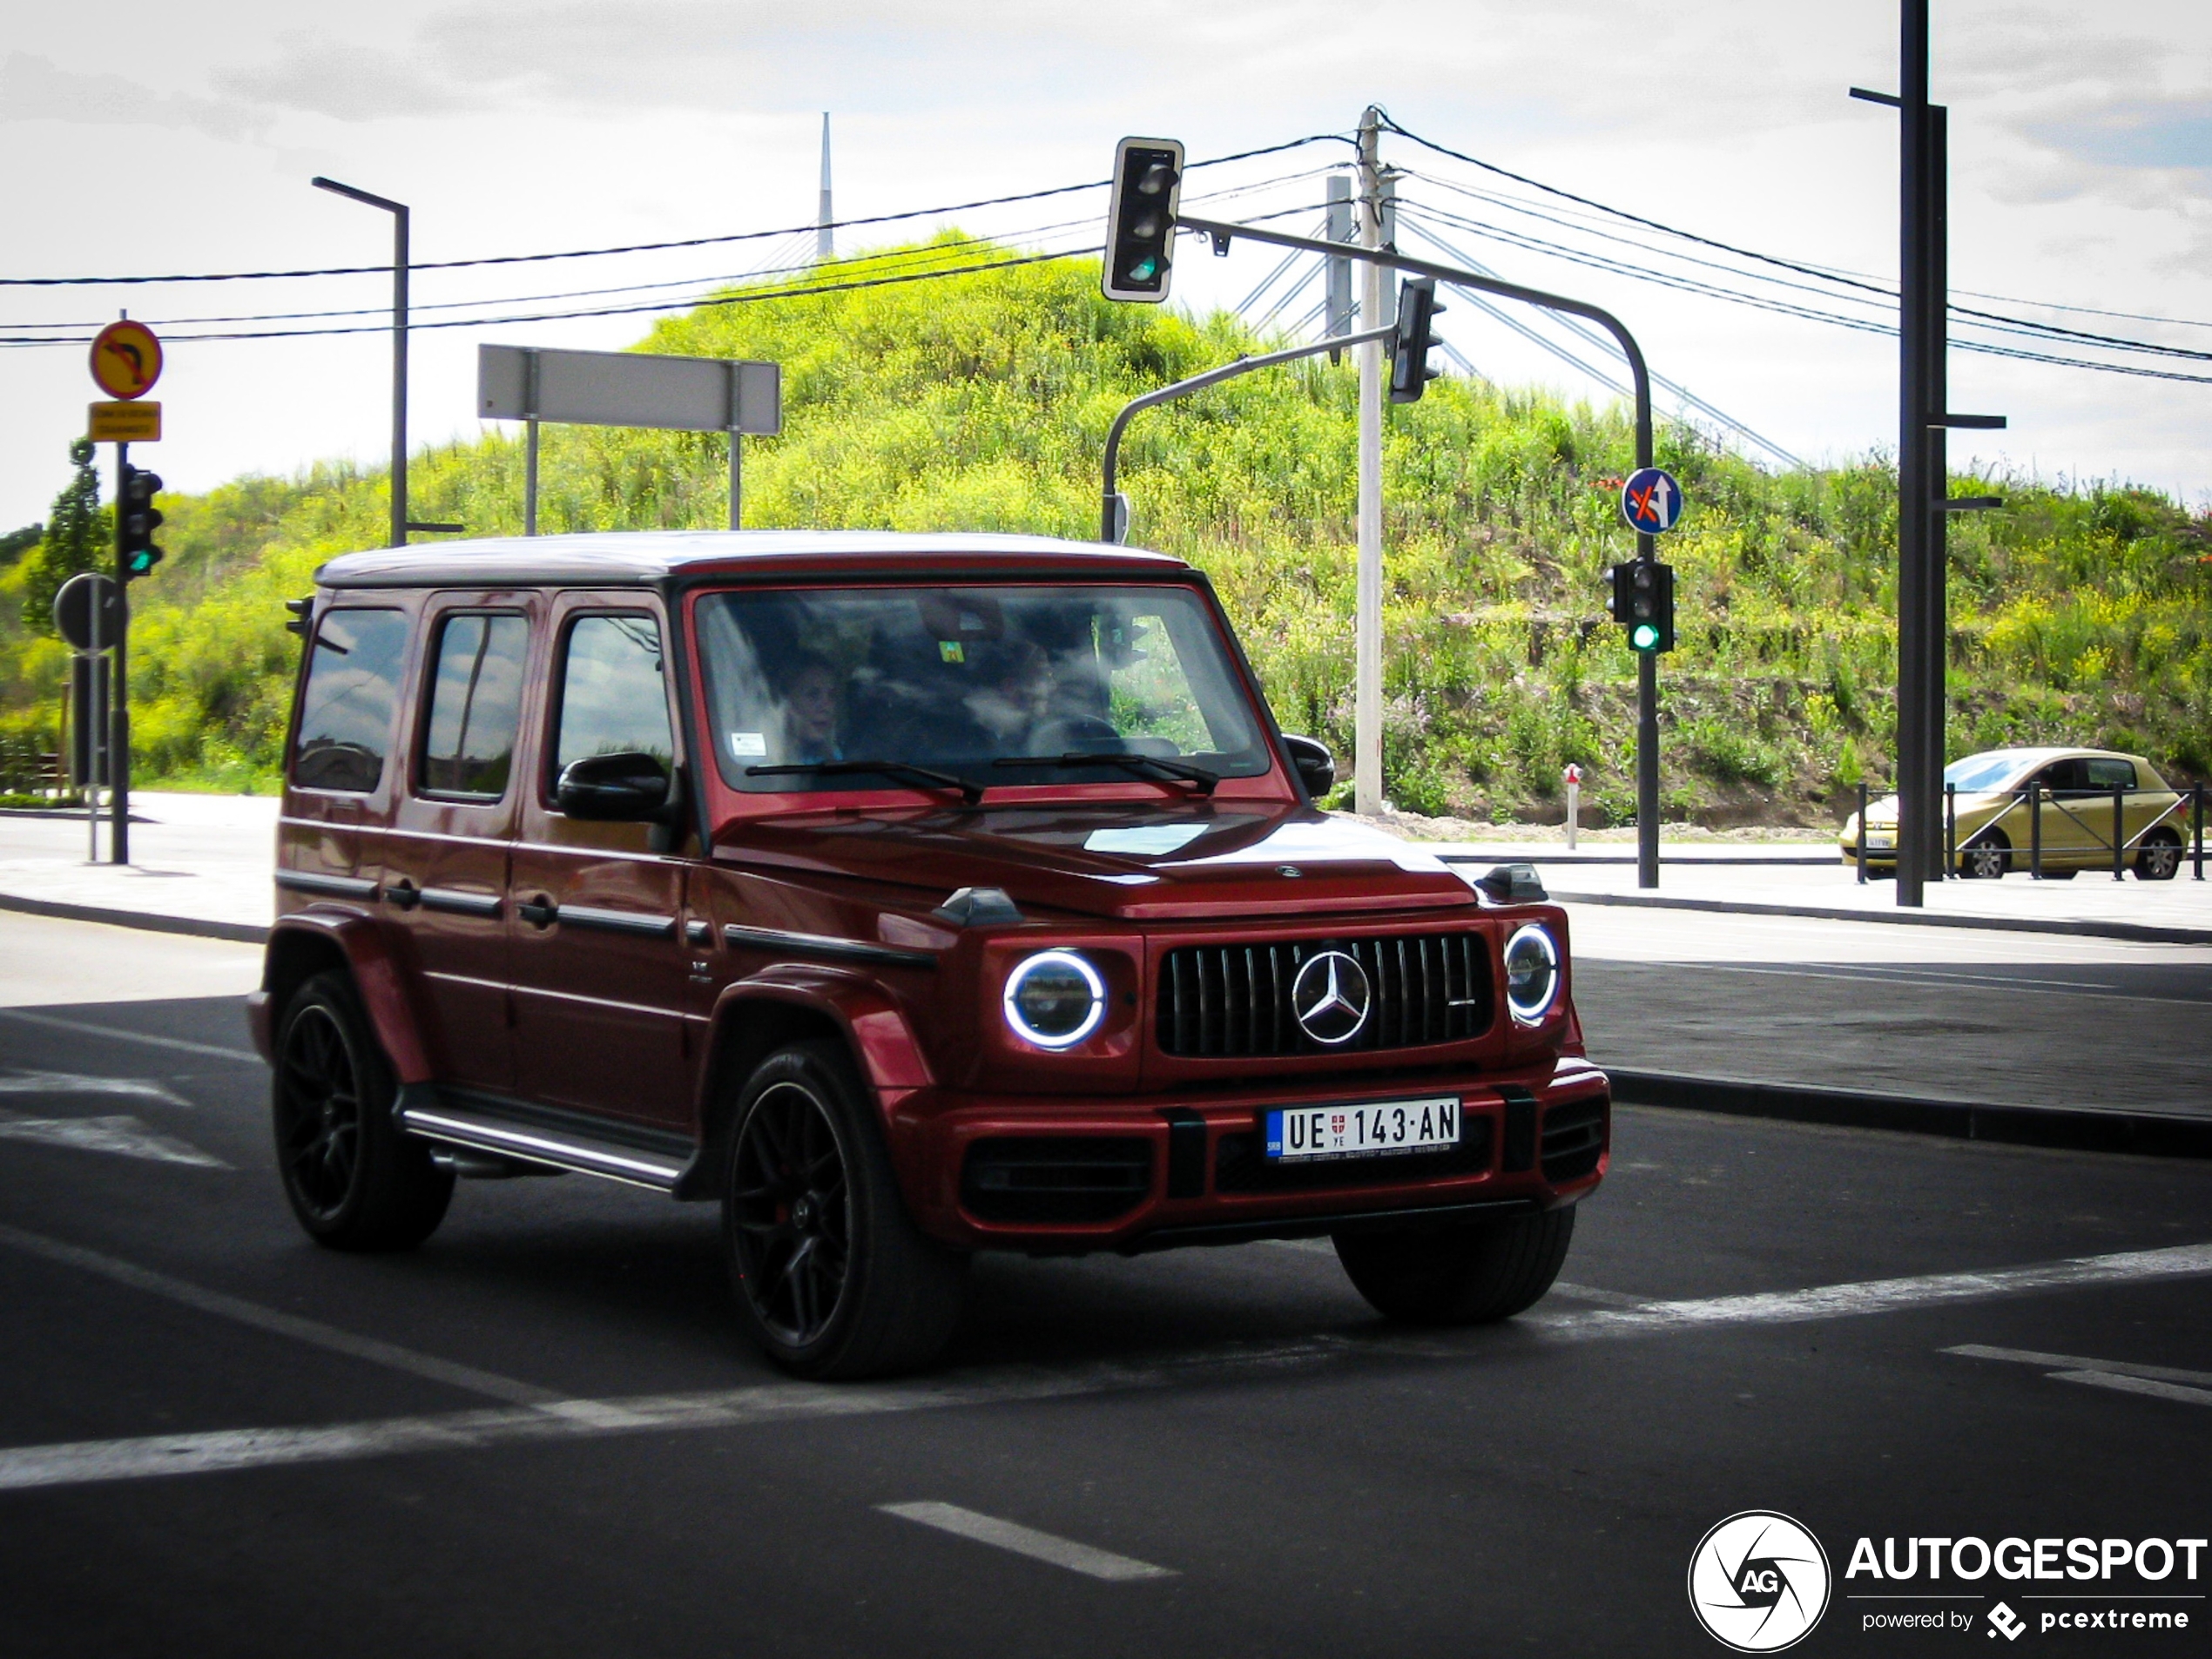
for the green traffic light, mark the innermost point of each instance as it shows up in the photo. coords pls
(1643, 637)
(1144, 270)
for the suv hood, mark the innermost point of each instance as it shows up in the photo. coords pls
(1129, 861)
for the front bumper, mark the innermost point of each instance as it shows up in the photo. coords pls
(1185, 1167)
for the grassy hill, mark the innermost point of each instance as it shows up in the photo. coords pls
(981, 402)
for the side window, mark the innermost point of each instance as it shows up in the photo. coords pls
(347, 707)
(2111, 774)
(613, 698)
(2062, 777)
(476, 705)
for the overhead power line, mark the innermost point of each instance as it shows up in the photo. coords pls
(808, 229)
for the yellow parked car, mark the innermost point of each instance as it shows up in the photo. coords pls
(2076, 785)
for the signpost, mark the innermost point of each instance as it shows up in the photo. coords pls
(531, 384)
(1573, 777)
(126, 363)
(1650, 501)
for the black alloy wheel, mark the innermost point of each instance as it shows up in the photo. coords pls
(832, 1276)
(791, 1213)
(1986, 858)
(2159, 859)
(352, 1179)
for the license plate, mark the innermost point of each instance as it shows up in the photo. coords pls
(1298, 1133)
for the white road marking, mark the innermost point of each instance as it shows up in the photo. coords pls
(1890, 1295)
(85, 1028)
(546, 1417)
(1025, 1540)
(2077, 1362)
(1591, 1293)
(311, 1332)
(2127, 1384)
(74, 1082)
(121, 1134)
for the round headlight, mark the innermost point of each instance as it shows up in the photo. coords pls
(1054, 999)
(1531, 973)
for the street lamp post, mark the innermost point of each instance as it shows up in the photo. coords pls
(399, 212)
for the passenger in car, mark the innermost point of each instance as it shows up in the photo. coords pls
(814, 708)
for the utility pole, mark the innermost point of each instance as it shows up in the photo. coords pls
(399, 212)
(1366, 749)
(824, 243)
(118, 739)
(1337, 311)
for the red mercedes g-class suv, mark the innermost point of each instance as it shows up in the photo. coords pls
(908, 896)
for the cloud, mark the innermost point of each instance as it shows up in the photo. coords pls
(317, 76)
(35, 89)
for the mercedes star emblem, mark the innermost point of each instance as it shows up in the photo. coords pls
(1330, 997)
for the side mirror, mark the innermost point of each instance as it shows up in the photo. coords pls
(623, 788)
(1513, 884)
(1317, 767)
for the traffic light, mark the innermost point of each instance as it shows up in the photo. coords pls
(1140, 218)
(1644, 603)
(136, 521)
(1409, 370)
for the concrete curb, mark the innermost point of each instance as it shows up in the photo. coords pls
(2080, 1128)
(244, 932)
(2141, 933)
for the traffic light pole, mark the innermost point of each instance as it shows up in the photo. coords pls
(118, 742)
(1110, 528)
(1647, 671)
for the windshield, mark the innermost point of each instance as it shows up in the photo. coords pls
(803, 683)
(1983, 772)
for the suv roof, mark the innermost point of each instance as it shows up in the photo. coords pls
(649, 558)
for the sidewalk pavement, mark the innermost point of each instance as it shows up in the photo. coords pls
(1779, 1047)
(1809, 881)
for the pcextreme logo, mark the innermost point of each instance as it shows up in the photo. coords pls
(1758, 1581)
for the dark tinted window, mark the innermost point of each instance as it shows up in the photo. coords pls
(475, 705)
(2110, 774)
(352, 692)
(612, 697)
(2063, 777)
(962, 680)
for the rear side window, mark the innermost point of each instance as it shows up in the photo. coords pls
(2111, 774)
(352, 694)
(613, 700)
(475, 705)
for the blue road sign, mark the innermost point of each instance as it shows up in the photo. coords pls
(1651, 501)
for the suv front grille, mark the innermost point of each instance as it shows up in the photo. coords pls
(1235, 1000)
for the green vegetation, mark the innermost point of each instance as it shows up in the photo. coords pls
(981, 403)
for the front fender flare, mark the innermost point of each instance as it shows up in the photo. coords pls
(368, 955)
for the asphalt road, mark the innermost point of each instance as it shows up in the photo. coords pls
(543, 1434)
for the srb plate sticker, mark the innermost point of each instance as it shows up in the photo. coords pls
(1300, 1132)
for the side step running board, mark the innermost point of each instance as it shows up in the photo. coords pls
(434, 1116)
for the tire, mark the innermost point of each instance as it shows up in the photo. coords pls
(2159, 859)
(1461, 1275)
(832, 1276)
(355, 1181)
(1986, 858)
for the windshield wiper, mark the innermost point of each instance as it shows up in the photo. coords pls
(1182, 771)
(969, 793)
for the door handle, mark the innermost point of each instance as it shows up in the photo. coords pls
(404, 893)
(539, 911)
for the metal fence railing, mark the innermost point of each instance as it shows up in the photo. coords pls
(28, 767)
(1998, 853)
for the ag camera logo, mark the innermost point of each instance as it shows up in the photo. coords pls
(1758, 1581)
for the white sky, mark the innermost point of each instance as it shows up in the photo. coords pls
(180, 137)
